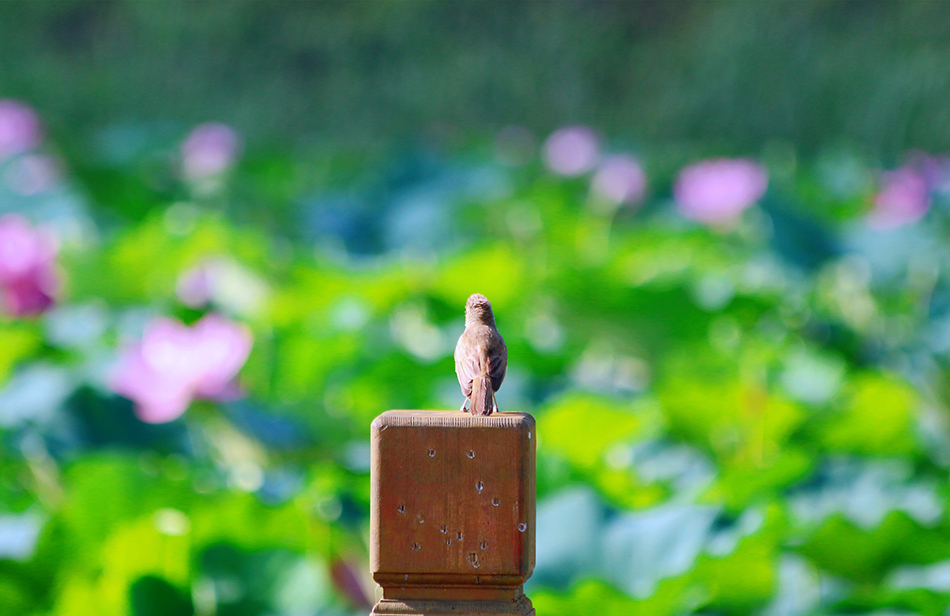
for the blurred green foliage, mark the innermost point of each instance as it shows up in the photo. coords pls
(748, 418)
(726, 77)
(675, 370)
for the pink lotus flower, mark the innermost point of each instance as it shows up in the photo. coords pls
(174, 364)
(210, 149)
(29, 281)
(620, 179)
(718, 191)
(571, 151)
(20, 129)
(904, 198)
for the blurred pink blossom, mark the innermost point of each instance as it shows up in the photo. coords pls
(20, 129)
(174, 364)
(571, 151)
(718, 191)
(29, 281)
(902, 199)
(620, 179)
(934, 169)
(209, 150)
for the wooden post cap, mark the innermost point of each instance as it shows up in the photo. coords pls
(452, 517)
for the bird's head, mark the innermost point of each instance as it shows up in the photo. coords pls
(478, 310)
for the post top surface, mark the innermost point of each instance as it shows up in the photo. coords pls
(452, 419)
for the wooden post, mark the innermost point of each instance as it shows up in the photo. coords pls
(453, 512)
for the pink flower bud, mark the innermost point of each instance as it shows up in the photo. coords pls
(620, 179)
(29, 281)
(571, 151)
(718, 191)
(20, 129)
(903, 199)
(209, 150)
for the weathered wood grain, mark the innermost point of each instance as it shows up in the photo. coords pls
(453, 512)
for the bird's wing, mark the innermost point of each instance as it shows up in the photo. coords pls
(499, 362)
(466, 365)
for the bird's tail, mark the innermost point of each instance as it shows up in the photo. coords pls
(483, 396)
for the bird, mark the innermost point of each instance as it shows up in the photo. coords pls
(481, 358)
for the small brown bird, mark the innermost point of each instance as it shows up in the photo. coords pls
(481, 357)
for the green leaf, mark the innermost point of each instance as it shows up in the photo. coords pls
(591, 596)
(153, 596)
(866, 556)
(876, 417)
(17, 342)
(710, 400)
(495, 271)
(583, 427)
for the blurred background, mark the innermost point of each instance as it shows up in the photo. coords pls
(715, 236)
